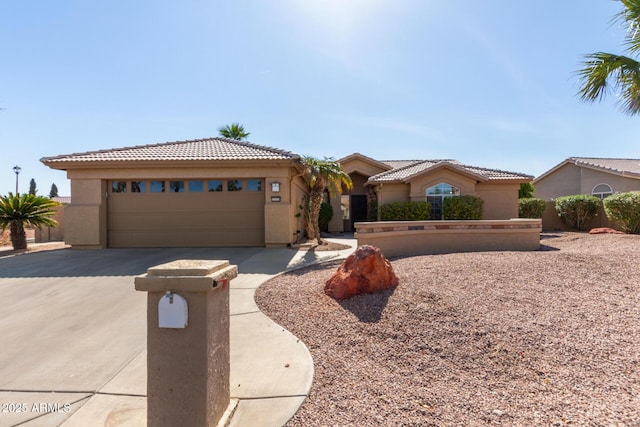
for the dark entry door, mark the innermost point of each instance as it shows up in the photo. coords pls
(358, 209)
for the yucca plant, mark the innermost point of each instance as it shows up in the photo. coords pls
(26, 210)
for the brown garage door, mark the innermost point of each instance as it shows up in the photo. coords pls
(186, 213)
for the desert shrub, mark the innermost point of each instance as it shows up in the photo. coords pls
(405, 211)
(576, 211)
(462, 207)
(326, 213)
(624, 208)
(531, 208)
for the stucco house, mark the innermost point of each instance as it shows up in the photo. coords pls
(206, 192)
(589, 175)
(419, 180)
(222, 192)
(596, 176)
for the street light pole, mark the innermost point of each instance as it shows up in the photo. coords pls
(17, 170)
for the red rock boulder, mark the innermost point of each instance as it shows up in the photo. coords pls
(364, 271)
(604, 230)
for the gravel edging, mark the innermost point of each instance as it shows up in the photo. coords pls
(550, 337)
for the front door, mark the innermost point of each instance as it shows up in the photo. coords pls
(358, 209)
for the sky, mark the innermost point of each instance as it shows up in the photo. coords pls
(490, 83)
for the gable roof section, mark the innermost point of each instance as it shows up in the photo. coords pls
(624, 167)
(197, 149)
(411, 171)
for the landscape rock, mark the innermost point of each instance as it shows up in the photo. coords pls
(604, 230)
(364, 271)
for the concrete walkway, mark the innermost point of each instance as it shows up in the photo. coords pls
(73, 347)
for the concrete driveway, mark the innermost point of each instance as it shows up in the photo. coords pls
(74, 333)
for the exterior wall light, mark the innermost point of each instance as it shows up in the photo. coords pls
(275, 187)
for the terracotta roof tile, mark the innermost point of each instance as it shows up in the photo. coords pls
(404, 173)
(631, 166)
(197, 149)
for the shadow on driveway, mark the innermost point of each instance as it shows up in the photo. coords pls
(110, 262)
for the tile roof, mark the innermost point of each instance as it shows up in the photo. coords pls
(403, 174)
(197, 149)
(623, 166)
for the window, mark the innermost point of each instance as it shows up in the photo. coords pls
(138, 186)
(118, 186)
(234, 185)
(176, 186)
(437, 194)
(254, 185)
(195, 186)
(157, 186)
(215, 185)
(602, 191)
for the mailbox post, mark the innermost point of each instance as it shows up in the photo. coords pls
(187, 342)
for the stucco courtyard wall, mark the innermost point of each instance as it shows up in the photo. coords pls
(401, 238)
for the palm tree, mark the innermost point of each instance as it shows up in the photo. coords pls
(321, 175)
(604, 72)
(19, 211)
(234, 131)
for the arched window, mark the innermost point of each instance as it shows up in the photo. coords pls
(437, 194)
(602, 190)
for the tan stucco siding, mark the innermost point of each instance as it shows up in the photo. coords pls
(362, 167)
(420, 185)
(570, 179)
(392, 192)
(500, 200)
(562, 182)
(619, 184)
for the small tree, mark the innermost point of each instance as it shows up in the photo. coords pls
(53, 192)
(465, 207)
(531, 208)
(576, 211)
(526, 191)
(29, 210)
(321, 175)
(624, 208)
(32, 187)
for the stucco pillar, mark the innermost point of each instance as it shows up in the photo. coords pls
(187, 356)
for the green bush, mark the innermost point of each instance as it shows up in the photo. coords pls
(526, 191)
(624, 208)
(462, 207)
(576, 211)
(531, 207)
(405, 211)
(326, 213)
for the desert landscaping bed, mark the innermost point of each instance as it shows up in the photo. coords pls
(550, 337)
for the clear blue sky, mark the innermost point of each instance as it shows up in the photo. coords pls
(490, 83)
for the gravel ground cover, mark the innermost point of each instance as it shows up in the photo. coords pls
(550, 337)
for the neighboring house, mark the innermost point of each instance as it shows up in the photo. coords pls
(207, 192)
(385, 181)
(600, 177)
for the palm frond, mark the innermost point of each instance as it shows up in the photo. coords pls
(629, 16)
(604, 72)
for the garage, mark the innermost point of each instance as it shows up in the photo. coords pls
(182, 213)
(195, 193)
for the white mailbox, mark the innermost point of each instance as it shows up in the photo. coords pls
(172, 311)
